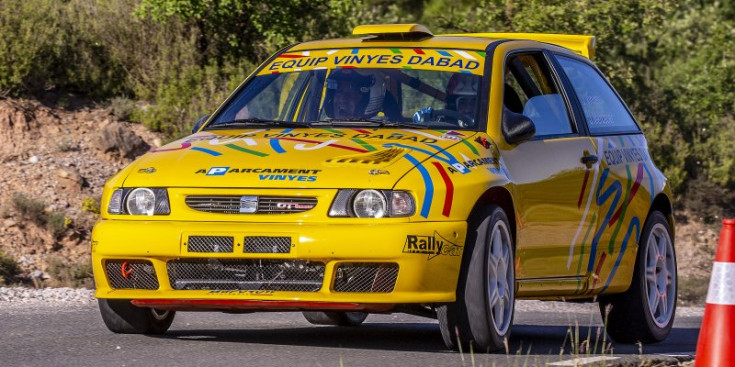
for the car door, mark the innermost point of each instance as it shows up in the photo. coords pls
(624, 189)
(552, 175)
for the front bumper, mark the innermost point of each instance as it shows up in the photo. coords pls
(427, 256)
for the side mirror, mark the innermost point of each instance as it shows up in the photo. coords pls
(199, 123)
(517, 127)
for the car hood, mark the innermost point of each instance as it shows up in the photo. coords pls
(290, 158)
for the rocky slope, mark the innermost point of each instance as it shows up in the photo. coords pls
(55, 162)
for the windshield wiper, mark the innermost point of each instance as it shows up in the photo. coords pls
(254, 121)
(402, 124)
(361, 121)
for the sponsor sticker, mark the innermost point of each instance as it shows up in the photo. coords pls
(217, 171)
(432, 246)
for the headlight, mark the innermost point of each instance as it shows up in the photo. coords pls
(369, 204)
(139, 201)
(372, 204)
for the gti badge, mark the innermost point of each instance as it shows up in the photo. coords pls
(291, 206)
(248, 204)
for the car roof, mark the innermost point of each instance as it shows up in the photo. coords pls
(419, 36)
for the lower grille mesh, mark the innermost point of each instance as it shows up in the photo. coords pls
(131, 274)
(267, 245)
(210, 243)
(245, 274)
(366, 277)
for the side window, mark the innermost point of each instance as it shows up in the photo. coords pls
(531, 90)
(603, 110)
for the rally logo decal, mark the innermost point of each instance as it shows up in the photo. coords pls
(431, 246)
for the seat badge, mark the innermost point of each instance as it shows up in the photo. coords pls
(248, 204)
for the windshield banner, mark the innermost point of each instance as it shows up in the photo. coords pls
(458, 61)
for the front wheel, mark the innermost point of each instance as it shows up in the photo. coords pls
(335, 318)
(483, 312)
(645, 313)
(122, 317)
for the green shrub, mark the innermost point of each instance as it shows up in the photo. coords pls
(44, 45)
(68, 273)
(187, 94)
(34, 210)
(122, 107)
(57, 223)
(692, 290)
(8, 268)
(30, 209)
(707, 201)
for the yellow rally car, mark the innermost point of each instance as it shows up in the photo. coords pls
(443, 176)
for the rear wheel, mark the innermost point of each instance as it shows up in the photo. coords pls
(335, 318)
(483, 312)
(122, 317)
(645, 313)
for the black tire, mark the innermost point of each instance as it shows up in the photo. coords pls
(470, 320)
(123, 317)
(335, 318)
(628, 315)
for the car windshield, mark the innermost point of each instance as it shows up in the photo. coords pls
(420, 88)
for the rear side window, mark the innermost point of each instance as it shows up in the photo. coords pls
(603, 110)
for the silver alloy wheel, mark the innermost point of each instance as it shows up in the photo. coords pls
(660, 275)
(159, 315)
(500, 278)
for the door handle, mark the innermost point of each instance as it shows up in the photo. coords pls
(589, 159)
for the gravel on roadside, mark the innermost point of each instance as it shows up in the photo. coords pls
(26, 296)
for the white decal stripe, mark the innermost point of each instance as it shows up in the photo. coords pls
(465, 54)
(722, 284)
(467, 159)
(424, 134)
(582, 361)
(237, 138)
(305, 53)
(331, 52)
(589, 201)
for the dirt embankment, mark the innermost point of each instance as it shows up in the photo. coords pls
(55, 162)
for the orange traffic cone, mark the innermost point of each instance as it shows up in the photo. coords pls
(716, 345)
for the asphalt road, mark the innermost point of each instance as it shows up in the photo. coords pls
(74, 335)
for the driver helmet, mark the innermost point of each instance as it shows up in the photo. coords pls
(462, 93)
(357, 95)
